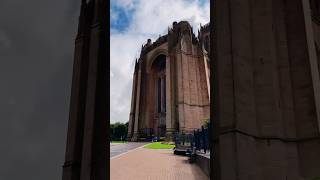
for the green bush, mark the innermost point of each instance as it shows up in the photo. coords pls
(206, 122)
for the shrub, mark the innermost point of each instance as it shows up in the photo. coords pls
(206, 122)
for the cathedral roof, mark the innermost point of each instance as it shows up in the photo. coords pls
(176, 28)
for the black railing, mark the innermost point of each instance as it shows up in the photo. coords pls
(198, 140)
(146, 133)
(183, 139)
(201, 140)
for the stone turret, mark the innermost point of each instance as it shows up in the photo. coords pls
(204, 37)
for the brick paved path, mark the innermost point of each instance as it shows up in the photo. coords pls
(149, 164)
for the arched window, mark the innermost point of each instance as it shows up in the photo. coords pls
(159, 67)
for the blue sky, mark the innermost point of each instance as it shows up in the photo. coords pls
(132, 22)
(122, 21)
(123, 13)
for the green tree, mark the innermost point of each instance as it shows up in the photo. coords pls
(118, 130)
(206, 122)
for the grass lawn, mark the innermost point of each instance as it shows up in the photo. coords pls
(159, 145)
(118, 142)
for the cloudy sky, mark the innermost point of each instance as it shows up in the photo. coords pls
(132, 23)
(36, 56)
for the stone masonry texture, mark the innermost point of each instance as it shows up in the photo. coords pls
(266, 121)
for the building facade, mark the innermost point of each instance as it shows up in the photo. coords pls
(171, 86)
(266, 120)
(87, 153)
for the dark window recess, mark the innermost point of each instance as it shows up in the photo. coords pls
(159, 66)
(159, 95)
(164, 92)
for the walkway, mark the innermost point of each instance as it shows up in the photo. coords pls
(117, 149)
(149, 164)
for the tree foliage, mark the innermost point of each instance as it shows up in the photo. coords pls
(206, 122)
(118, 131)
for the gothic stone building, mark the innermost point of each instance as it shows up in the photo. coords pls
(171, 88)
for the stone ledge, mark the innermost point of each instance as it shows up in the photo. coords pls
(203, 161)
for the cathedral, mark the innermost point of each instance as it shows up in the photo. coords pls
(171, 84)
(266, 115)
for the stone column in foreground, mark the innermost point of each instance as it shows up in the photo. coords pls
(266, 91)
(87, 152)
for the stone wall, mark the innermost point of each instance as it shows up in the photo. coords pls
(265, 121)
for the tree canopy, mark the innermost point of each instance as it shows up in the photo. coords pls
(118, 131)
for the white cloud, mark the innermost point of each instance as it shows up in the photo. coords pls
(149, 19)
(157, 15)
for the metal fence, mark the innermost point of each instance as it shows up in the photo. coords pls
(201, 140)
(198, 140)
(183, 139)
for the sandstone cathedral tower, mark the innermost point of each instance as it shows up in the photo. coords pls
(171, 86)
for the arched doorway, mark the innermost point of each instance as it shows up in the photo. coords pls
(159, 72)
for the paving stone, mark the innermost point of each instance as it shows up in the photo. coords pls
(150, 164)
